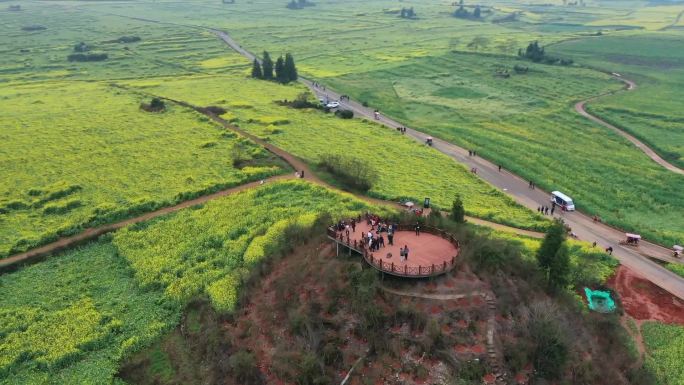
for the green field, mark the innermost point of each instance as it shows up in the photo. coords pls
(653, 111)
(72, 318)
(665, 348)
(406, 169)
(80, 154)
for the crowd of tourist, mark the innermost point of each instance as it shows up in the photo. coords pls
(374, 239)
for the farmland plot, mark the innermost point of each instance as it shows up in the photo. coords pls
(81, 154)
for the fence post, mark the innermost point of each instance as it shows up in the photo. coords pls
(433, 268)
(405, 269)
(445, 265)
(419, 270)
(392, 267)
(371, 259)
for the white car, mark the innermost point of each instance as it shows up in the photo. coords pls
(333, 104)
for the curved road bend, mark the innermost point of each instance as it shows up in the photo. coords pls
(517, 188)
(580, 107)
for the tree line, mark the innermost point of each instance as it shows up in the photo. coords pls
(283, 71)
(536, 53)
(462, 13)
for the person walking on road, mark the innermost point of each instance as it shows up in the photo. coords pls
(406, 252)
(499, 168)
(553, 208)
(417, 228)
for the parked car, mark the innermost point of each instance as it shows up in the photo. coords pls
(333, 104)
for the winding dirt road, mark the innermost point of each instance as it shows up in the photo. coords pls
(580, 107)
(637, 260)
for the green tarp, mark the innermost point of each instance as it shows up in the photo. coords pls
(599, 301)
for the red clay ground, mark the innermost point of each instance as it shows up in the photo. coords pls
(643, 300)
(424, 250)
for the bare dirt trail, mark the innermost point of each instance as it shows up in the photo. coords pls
(630, 85)
(581, 224)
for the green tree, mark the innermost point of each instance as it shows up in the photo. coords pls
(554, 238)
(290, 68)
(256, 70)
(477, 13)
(280, 70)
(457, 210)
(267, 66)
(559, 271)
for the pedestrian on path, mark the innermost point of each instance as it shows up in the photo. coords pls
(381, 240)
(499, 168)
(609, 250)
(406, 252)
(390, 238)
(301, 175)
(353, 225)
(553, 208)
(547, 210)
(417, 228)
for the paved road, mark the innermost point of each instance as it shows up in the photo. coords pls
(582, 225)
(629, 86)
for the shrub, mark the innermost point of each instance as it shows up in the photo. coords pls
(243, 367)
(351, 171)
(457, 210)
(344, 114)
(82, 57)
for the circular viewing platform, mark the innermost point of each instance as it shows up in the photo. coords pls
(431, 253)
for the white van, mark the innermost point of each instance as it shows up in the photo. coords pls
(562, 200)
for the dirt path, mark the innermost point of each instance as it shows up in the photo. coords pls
(580, 107)
(92, 233)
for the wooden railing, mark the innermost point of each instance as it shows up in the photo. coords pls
(400, 270)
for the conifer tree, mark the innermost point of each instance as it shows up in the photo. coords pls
(290, 68)
(256, 70)
(457, 210)
(267, 66)
(280, 70)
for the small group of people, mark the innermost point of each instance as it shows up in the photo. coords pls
(472, 153)
(531, 185)
(344, 97)
(299, 174)
(404, 253)
(318, 85)
(376, 114)
(401, 129)
(544, 210)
